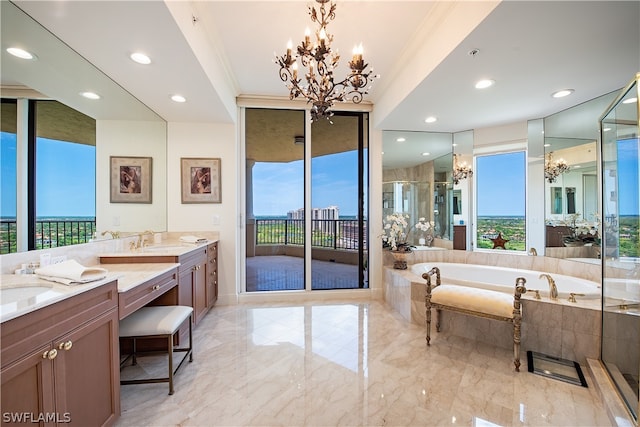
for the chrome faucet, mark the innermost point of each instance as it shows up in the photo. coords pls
(532, 252)
(113, 234)
(553, 290)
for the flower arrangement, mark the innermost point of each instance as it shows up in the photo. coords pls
(395, 236)
(427, 228)
(581, 231)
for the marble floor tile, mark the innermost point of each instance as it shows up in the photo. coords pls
(347, 364)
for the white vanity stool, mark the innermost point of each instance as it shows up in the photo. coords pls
(157, 322)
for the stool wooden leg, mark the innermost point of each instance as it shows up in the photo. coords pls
(133, 358)
(170, 350)
(190, 341)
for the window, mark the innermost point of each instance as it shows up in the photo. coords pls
(60, 169)
(501, 203)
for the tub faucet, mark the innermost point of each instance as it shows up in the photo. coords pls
(553, 290)
(532, 252)
(113, 234)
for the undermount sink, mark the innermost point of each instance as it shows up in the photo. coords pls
(162, 249)
(30, 293)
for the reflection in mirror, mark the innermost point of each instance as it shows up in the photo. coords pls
(416, 175)
(572, 215)
(53, 82)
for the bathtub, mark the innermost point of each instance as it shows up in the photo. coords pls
(504, 279)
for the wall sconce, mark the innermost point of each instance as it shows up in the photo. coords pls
(553, 169)
(460, 170)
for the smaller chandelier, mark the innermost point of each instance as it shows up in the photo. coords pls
(318, 86)
(460, 170)
(553, 169)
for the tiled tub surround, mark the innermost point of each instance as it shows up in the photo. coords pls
(557, 328)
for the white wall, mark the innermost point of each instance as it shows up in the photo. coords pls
(135, 139)
(207, 140)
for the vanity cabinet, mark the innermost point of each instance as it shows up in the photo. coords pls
(60, 363)
(192, 282)
(142, 295)
(212, 274)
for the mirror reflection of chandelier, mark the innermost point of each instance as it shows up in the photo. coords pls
(318, 86)
(460, 170)
(553, 169)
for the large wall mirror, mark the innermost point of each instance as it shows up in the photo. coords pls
(572, 211)
(416, 175)
(117, 124)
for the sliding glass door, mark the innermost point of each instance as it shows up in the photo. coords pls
(286, 213)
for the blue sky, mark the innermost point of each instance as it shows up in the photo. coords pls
(500, 185)
(65, 182)
(628, 177)
(278, 187)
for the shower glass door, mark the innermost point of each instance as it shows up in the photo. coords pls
(620, 247)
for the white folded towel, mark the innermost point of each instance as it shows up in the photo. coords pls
(70, 272)
(192, 239)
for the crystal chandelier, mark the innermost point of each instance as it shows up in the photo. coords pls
(318, 85)
(552, 169)
(460, 170)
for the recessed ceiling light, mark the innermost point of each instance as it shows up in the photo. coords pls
(576, 166)
(401, 139)
(425, 154)
(20, 53)
(454, 145)
(483, 84)
(140, 58)
(562, 93)
(606, 129)
(547, 145)
(430, 119)
(90, 95)
(630, 101)
(178, 98)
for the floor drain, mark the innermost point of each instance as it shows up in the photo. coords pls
(556, 368)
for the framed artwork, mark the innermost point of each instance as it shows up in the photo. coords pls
(200, 180)
(130, 179)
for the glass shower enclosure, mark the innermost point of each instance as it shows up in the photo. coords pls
(620, 252)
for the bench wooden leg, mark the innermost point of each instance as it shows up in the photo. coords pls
(516, 342)
(438, 318)
(429, 325)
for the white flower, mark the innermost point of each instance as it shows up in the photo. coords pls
(394, 227)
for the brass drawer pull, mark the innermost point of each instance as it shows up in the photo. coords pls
(65, 345)
(50, 354)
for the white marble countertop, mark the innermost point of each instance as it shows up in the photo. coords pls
(32, 293)
(172, 247)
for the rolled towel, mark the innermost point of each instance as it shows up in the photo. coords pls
(70, 272)
(192, 239)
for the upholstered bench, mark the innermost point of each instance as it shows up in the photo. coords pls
(475, 302)
(157, 322)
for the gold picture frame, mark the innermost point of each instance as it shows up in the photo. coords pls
(200, 180)
(130, 179)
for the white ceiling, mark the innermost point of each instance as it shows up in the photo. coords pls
(213, 51)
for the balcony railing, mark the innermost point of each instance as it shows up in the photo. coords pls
(50, 233)
(325, 233)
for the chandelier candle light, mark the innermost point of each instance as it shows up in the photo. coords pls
(318, 86)
(553, 169)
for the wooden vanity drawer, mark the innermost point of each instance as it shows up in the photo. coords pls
(143, 294)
